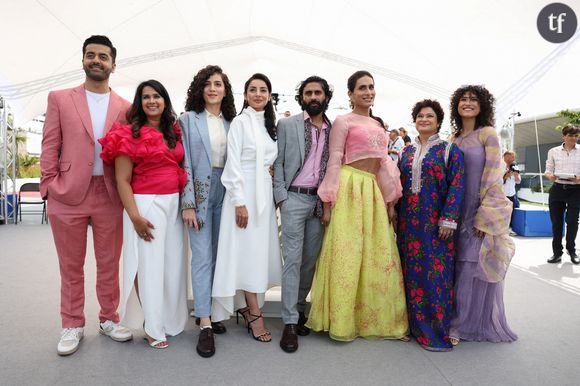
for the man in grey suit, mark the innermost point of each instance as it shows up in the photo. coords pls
(298, 171)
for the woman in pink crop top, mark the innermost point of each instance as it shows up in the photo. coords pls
(147, 154)
(358, 285)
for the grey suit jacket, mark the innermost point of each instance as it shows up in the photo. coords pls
(197, 162)
(290, 154)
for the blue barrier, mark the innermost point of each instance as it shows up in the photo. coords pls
(533, 223)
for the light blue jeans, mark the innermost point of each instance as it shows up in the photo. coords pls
(203, 245)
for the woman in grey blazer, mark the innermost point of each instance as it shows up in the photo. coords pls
(209, 111)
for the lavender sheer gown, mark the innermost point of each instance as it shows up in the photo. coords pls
(479, 310)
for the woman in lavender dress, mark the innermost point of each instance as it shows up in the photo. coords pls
(484, 248)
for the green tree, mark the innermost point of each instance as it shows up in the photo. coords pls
(572, 117)
(20, 137)
(28, 166)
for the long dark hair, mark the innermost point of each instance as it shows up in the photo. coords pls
(269, 114)
(486, 107)
(351, 84)
(195, 101)
(137, 117)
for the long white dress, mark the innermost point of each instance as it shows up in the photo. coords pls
(247, 259)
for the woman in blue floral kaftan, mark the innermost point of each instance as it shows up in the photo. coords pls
(432, 172)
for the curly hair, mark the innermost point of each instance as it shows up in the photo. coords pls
(486, 116)
(328, 90)
(425, 103)
(269, 113)
(351, 84)
(195, 101)
(137, 117)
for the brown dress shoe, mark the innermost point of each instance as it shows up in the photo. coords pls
(301, 329)
(205, 344)
(289, 341)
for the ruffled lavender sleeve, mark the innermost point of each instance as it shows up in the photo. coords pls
(328, 189)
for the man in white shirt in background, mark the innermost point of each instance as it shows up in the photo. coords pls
(563, 169)
(396, 145)
(511, 178)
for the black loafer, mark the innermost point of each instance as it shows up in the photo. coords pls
(205, 343)
(218, 327)
(555, 259)
(301, 329)
(289, 341)
(574, 258)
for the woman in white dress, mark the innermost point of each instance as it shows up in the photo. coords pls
(248, 258)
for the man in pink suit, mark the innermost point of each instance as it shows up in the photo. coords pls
(81, 191)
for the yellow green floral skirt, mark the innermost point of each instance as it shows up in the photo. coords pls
(358, 285)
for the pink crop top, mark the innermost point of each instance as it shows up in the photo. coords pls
(355, 137)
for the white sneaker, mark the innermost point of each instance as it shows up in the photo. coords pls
(115, 331)
(69, 340)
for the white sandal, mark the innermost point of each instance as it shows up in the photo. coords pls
(158, 344)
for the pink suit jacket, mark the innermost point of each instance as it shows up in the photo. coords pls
(68, 146)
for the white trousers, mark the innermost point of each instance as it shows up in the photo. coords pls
(160, 267)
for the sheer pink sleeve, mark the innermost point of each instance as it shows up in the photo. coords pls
(389, 180)
(329, 187)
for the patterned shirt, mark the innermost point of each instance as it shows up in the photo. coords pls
(561, 161)
(310, 172)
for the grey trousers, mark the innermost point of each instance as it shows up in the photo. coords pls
(301, 241)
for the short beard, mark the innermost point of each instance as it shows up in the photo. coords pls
(315, 108)
(98, 78)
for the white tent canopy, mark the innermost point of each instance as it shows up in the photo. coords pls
(415, 50)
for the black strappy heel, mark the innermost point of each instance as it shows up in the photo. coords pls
(243, 312)
(262, 337)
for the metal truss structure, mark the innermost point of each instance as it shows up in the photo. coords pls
(7, 165)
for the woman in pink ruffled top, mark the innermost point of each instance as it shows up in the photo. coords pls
(358, 285)
(147, 154)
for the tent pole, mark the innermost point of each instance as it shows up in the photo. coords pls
(539, 161)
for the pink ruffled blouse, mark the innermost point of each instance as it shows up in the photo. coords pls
(156, 168)
(355, 137)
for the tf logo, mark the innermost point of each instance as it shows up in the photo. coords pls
(557, 23)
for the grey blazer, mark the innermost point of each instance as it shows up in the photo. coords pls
(290, 154)
(197, 162)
